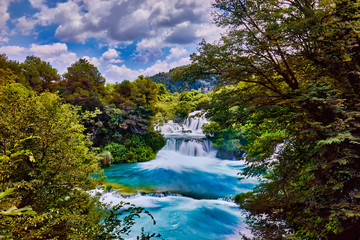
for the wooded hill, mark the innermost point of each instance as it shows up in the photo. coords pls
(181, 85)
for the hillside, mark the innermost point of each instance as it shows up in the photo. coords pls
(204, 85)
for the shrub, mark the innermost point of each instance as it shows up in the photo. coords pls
(117, 151)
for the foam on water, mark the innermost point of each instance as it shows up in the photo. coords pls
(180, 217)
(193, 188)
(191, 126)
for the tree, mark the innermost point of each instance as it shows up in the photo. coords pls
(137, 99)
(46, 158)
(47, 161)
(12, 66)
(40, 75)
(83, 85)
(294, 67)
(7, 212)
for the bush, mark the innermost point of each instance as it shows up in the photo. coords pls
(155, 140)
(136, 148)
(105, 159)
(117, 151)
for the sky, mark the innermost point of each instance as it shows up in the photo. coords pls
(123, 38)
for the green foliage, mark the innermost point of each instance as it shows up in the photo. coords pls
(174, 83)
(137, 100)
(47, 159)
(118, 220)
(7, 213)
(289, 75)
(108, 187)
(13, 67)
(83, 85)
(178, 106)
(136, 148)
(229, 141)
(105, 159)
(242, 197)
(39, 75)
(117, 152)
(155, 140)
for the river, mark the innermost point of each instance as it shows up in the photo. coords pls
(186, 188)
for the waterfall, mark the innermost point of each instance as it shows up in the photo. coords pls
(187, 137)
(190, 126)
(183, 185)
(189, 147)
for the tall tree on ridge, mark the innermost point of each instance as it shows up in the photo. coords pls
(83, 85)
(40, 75)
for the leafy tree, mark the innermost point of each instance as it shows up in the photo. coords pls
(83, 85)
(40, 75)
(136, 148)
(47, 159)
(14, 67)
(137, 99)
(7, 212)
(117, 152)
(293, 67)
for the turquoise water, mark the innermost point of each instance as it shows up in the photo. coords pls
(196, 177)
(188, 190)
(191, 194)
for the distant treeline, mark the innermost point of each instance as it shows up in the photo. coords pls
(203, 85)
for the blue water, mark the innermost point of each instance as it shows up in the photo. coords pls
(192, 194)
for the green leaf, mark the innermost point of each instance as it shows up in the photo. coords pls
(7, 192)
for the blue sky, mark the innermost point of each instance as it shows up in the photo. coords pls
(123, 38)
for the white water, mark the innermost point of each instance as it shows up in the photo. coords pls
(192, 188)
(191, 126)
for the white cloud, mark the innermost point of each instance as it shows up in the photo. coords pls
(166, 22)
(93, 60)
(25, 25)
(176, 52)
(164, 66)
(51, 50)
(4, 17)
(56, 53)
(36, 3)
(111, 56)
(152, 24)
(13, 50)
(116, 73)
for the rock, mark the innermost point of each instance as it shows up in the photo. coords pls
(224, 154)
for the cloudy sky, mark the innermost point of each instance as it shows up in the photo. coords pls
(123, 38)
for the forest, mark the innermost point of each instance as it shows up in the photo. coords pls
(56, 133)
(282, 94)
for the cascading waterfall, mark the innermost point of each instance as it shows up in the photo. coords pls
(192, 142)
(186, 188)
(190, 126)
(190, 147)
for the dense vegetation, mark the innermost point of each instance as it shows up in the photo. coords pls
(47, 163)
(287, 94)
(55, 133)
(289, 72)
(181, 85)
(177, 106)
(116, 117)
